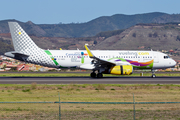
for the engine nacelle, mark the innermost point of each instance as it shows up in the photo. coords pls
(121, 70)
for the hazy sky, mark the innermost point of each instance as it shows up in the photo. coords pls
(68, 11)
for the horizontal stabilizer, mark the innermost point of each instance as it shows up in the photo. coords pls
(19, 54)
(14, 54)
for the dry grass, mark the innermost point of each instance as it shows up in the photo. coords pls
(89, 93)
(92, 93)
(89, 111)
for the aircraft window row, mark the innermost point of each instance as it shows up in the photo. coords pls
(125, 57)
(147, 57)
(103, 57)
(166, 57)
(69, 56)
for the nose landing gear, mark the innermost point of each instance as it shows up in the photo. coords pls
(153, 73)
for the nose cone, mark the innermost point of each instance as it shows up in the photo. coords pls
(173, 63)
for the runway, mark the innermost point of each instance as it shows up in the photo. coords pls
(88, 80)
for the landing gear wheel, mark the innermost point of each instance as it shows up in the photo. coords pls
(153, 73)
(153, 76)
(99, 75)
(93, 74)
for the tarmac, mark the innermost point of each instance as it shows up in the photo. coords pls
(89, 80)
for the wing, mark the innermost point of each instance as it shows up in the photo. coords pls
(97, 61)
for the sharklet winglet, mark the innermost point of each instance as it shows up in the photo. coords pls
(88, 51)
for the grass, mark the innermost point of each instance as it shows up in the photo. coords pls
(61, 74)
(89, 93)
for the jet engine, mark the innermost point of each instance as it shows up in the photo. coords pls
(121, 70)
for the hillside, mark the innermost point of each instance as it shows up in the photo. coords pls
(93, 27)
(50, 42)
(140, 36)
(144, 37)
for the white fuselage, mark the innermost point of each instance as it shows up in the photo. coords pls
(138, 59)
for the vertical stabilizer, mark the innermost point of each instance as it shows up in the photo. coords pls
(25, 49)
(21, 41)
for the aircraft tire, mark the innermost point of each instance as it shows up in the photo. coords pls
(93, 75)
(153, 76)
(99, 75)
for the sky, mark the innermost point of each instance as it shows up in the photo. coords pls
(79, 11)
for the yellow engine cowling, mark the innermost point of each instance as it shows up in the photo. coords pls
(121, 70)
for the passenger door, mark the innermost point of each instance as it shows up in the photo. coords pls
(156, 59)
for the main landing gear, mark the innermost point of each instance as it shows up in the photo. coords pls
(153, 73)
(93, 75)
(99, 75)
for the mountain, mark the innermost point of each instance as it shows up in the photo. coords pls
(140, 36)
(144, 37)
(5, 44)
(93, 27)
(164, 36)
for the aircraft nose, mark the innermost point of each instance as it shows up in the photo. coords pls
(173, 63)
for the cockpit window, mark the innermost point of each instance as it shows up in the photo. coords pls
(166, 57)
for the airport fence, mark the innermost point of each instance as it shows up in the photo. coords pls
(89, 110)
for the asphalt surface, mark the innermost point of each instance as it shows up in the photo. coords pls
(88, 80)
(88, 72)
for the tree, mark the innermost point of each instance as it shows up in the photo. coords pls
(134, 35)
(178, 37)
(4, 67)
(95, 42)
(13, 69)
(150, 34)
(155, 34)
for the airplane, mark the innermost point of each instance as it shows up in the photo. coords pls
(118, 62)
